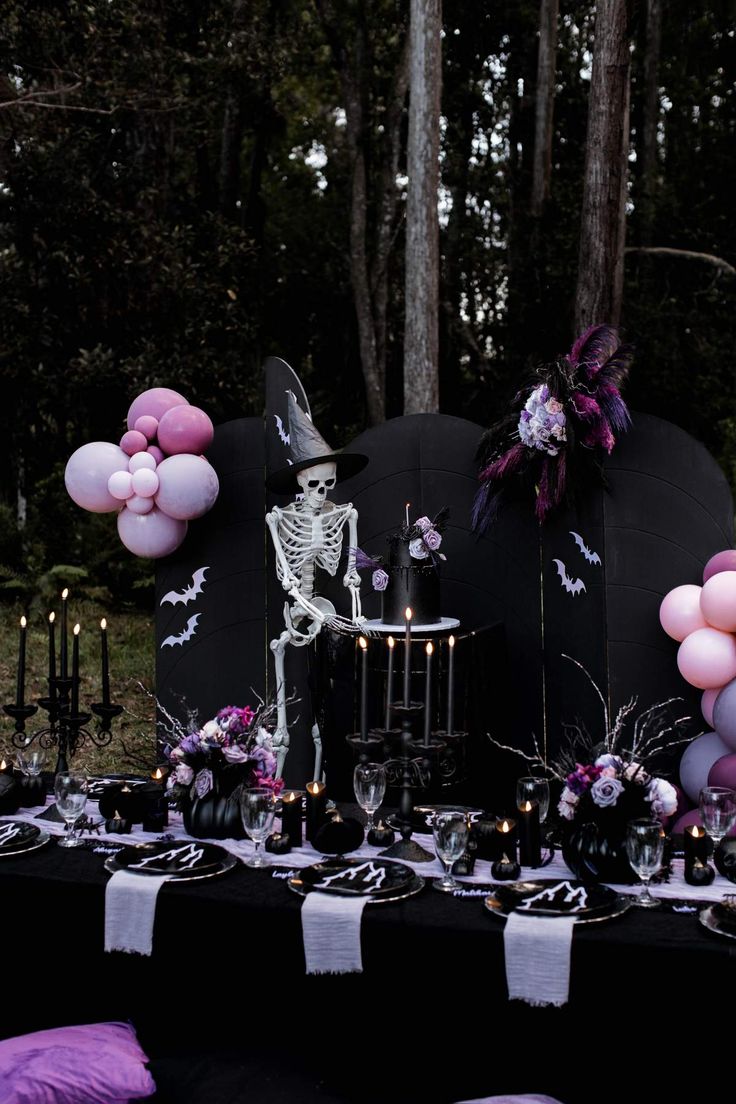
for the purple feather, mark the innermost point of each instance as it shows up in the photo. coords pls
(585, 407)
(485, 507)
(614, 409)
(508, 464)
(362, 561)
(600, 436)
(593, 348)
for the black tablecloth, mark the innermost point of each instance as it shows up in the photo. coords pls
(228, 972)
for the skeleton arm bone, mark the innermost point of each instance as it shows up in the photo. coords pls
(351, 578)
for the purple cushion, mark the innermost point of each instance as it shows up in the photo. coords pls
(89, 1064)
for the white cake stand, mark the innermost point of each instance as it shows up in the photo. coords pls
(443, 625)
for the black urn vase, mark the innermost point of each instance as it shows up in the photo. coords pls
(596, 852)
(217, 814)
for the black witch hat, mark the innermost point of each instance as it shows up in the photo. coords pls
(308, 447)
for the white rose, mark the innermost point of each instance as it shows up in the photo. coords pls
(183, 774)
(663, 797)
(212, 731)
(568, 804)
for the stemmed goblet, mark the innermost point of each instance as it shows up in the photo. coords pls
(718, 812)
(645, 849)
(70, 789)
(257, 808)
(369, 783)
(450, 831)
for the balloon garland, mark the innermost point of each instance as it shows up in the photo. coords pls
(156, 478)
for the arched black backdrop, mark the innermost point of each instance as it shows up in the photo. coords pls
(667, 510)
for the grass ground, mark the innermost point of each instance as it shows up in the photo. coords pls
(132, 651)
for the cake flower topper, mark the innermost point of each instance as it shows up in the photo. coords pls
(424, 537)
(569, 414)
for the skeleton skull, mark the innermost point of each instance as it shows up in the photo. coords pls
(316, 481)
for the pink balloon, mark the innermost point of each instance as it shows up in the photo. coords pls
(723, 772)
(151, 535)
(120, 485)
(185, 429)
(156, 453)
(188, 486)
(680, 612)
(718, 601)
(145, 482)
(139, 505)
(722, 561)
(132, 442)
(87, 473)
(707, 658)
(154, 402)
(142, 460)
(707, 702)
(698, 757)
(147, 425)
(693, 817)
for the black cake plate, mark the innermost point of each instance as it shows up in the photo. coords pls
(588, 904)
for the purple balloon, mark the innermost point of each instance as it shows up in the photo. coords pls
(188, 486)
(139, 505)
(151, 535)
(147, 425)
(722, 561)
(685, 821)
(156, 453)
(185, 429)
(697, 760)
(154, 402)
(87, 473)
(133, 442)
(724, 715)
(723, 772)
(707, 702)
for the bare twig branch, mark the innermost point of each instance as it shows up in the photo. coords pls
(685, 255)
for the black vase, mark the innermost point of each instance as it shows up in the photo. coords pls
(595, 853)
(214, 816)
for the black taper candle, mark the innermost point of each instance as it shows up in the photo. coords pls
(52, 652)
(105, 663)
(291, 816)
(389, 683)
(316, 808)
(75, 673)
(530, 836)
(450, 686)
(363, 644)
(64, 641)
(407, 658)
(428, 694)
(20, 689)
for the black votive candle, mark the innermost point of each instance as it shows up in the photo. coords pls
(530, 836)
(316, 808)
(155, 807)
(291, 816)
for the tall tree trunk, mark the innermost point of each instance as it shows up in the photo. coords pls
(421, 342)
(603, 228)
(650, 120)
(544, 106)
(231, 139)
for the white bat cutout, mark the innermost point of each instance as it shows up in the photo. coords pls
(283, 435)
(187, 634)
(188, 593)
(571, 586)
(591, 557)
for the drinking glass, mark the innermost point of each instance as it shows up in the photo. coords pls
(450, 831)
(70, 789)
(31, 761)
(369, 783)
(645, 847)
(533, 789)
(718, 812)
(257, 807)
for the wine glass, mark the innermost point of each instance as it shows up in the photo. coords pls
(257, 808)
(645, 848)
(534, 790)
(369, 783)
(70, 788)
(450, 831)
(718, 812)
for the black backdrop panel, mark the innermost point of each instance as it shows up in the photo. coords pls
(224, 657)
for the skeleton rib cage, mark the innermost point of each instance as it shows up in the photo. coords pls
(309, 540)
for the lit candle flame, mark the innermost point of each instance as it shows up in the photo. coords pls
(451, 641)
(362, 642)
(76, 630)
(391, 642)
(103, 624)
(65, 594)
(527, 807)
(23, 622)
(430, 648)
(158, 774)
(408, 614)
(3, 765)
(696, 831)
(52, 618)
(315, 787)
(505, 827)
(290, 797)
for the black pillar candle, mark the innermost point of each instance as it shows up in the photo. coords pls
(530, 836)
(695, 844)
(20, 690)
(291, 816)
(316, 808)
(505, 844)
(155, 806)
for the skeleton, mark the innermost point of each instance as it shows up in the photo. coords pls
(306, 535)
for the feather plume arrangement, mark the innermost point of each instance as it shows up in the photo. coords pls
(560, 423)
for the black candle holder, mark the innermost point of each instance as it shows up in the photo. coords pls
(412, 772)
(370, 750)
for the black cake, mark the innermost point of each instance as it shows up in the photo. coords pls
(411, 582)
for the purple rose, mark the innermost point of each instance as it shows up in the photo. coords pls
(203, 783)
(235, 754)
(380, 579)
(606, 791)
(265, 760)
(423, 523)
(190, 744)
(432, 539)
(418, 549)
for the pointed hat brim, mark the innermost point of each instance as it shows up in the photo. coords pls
(284, 481)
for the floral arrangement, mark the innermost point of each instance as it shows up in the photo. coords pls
(424, 537)
(614, 783)
(235, 745)
(561, 422)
